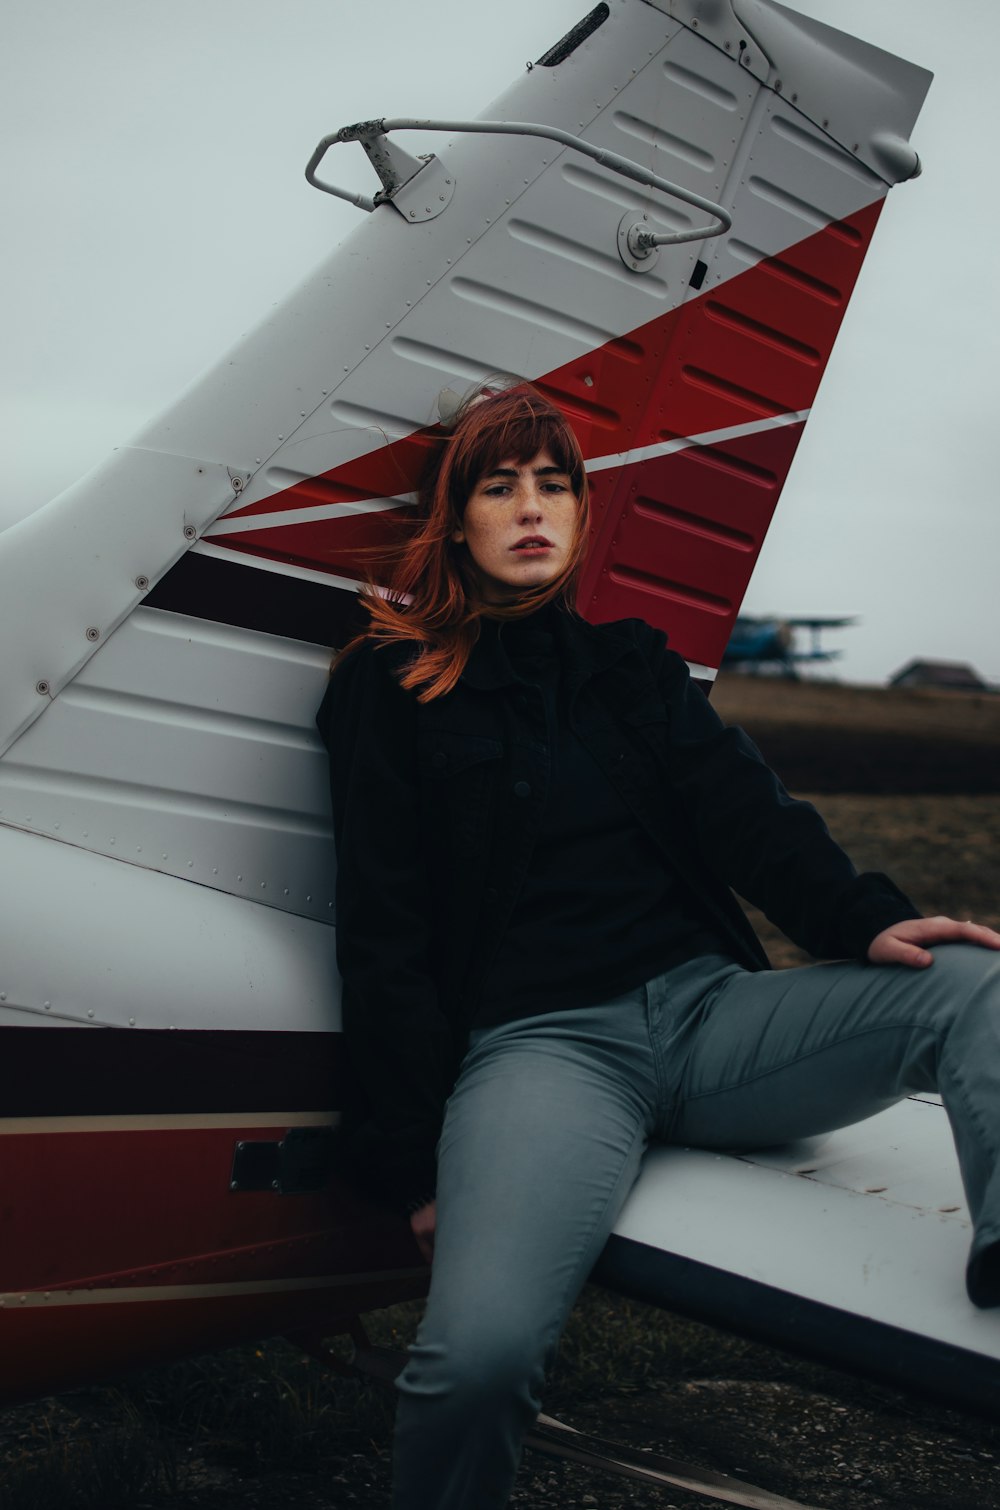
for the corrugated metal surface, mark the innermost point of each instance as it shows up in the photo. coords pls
(189, 748)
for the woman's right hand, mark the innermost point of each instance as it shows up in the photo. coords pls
(422, 1225)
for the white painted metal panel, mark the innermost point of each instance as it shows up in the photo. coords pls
(189, 748)
(72, 572)
(139, 949)
(864, 98)
(877, 1228)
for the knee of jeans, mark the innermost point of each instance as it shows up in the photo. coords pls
(969, 975)
(485, 1367)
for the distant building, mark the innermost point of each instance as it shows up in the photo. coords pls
(950, 676)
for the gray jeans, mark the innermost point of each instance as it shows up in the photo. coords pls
(547, 1125)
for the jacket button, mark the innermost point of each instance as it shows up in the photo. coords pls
(522, 788)
(439, 760)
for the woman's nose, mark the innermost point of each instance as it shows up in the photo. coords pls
(530, 504)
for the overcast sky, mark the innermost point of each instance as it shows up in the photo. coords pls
(151, 162)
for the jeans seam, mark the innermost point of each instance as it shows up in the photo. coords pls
(883, 1027)
(972, 1112)
(565, 1309)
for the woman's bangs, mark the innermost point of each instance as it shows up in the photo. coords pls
(519, 439)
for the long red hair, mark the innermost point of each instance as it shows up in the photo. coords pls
(434, 601)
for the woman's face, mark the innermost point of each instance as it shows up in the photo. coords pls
(519, 526)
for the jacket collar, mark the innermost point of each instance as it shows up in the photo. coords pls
(584, 649)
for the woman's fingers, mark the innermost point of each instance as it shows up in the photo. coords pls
(422, 1225)
(906, 943)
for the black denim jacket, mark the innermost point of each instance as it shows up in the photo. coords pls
(436, 809)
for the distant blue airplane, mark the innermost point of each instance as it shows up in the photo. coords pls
(770, 642)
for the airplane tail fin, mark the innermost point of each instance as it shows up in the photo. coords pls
(177, 607)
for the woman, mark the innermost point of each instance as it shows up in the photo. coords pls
(538, 822)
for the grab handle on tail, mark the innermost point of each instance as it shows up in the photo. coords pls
(396, 168)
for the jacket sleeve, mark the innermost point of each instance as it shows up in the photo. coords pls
(771, 848)
(399, 1044)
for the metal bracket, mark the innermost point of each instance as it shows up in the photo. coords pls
(640, 256)
(372, 135)
(300, 1164)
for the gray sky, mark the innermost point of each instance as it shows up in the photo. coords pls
(155, 208)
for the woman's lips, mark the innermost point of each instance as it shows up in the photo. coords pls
(532, 544)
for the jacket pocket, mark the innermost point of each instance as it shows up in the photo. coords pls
(649, 721)
(458, 778)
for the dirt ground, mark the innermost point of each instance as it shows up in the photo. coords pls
(823, 737)
(908, 784)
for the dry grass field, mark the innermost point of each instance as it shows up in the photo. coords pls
(908, 783)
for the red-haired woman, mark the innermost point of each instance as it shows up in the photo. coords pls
(538, 822)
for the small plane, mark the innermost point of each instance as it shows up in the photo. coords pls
(768, 643)
(660, 223)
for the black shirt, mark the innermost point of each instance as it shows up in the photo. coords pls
(599, 911)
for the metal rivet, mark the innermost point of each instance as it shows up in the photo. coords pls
(142, 583)
(239, 878)
(93, 633)
(90, 1011)
(131, 1022)
(189, 532)
(48, 1006)
(263, 885)
(3, 995)
(234, 1185)
(42, 688)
